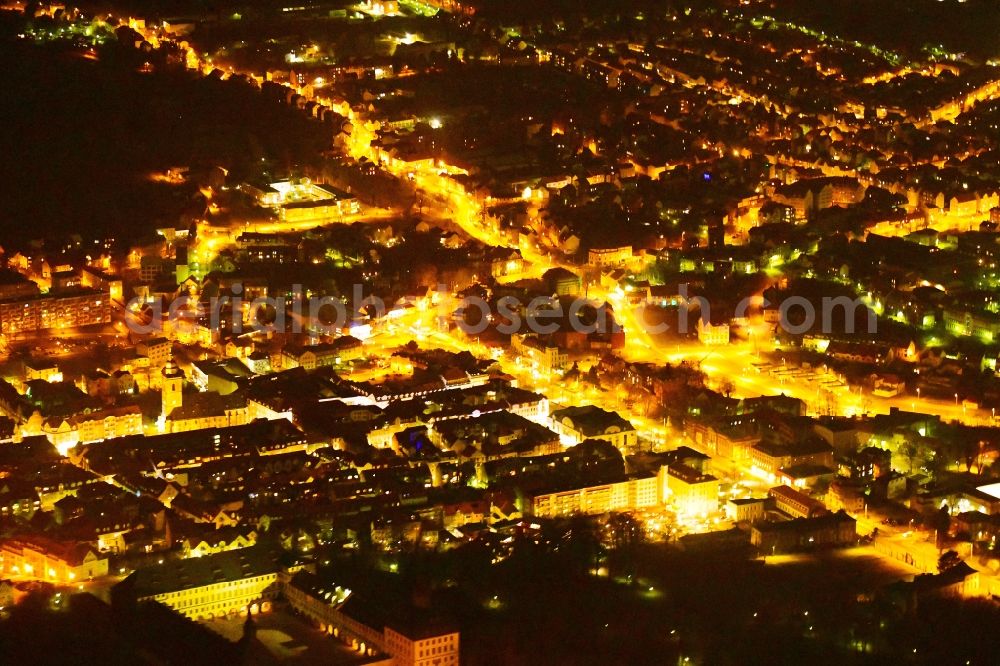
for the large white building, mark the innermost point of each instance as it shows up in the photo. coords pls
(576, 424)
(230, 583)
(631, 494)
(302, 200)
(691, 491)
(372, 630)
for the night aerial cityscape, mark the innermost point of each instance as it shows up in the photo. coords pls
(500, 332)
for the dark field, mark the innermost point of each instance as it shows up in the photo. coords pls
(80, 138)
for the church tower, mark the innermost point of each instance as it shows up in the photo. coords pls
(173, 389)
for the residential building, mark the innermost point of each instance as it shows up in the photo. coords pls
(157, 350)
(47, 371)
(627, 495)
(730, 438)
(71, 309)
(41, 558)
(545, 356)
(795, 504)
(14, 285)
(94, 278)
(415, 644)
(808, 196)
(339, 351)
(219, 541)
(95, 426)
(693, 493)
(712, 334)
(746, 510)
(796, 460)
(609, 256)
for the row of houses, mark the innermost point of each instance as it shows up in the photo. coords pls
(40, 558)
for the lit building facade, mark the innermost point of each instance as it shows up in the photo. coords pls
(609, 256)
(546, 357)
(832, 529)
(690, 491)
(795, 504)
(576, 424)
(417, 649)
(342, 349)
(713, 334)
(628, 495)
(226, 584)
(44, 559)
(69, 310)
(157, 350)
(340, 613)
(93, 427)
(98, 280)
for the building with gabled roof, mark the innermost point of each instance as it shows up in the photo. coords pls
(831, 529)
(42, 558)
